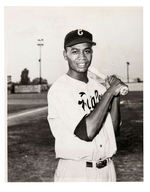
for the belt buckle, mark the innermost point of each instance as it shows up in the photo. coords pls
(101, 164)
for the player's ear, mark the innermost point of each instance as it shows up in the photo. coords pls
(65, 54)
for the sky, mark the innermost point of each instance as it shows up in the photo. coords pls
(118, 32)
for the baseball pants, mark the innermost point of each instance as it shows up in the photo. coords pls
(77, 171)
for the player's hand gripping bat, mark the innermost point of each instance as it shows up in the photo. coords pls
(124, 89)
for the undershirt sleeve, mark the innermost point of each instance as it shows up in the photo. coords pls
(81, 130)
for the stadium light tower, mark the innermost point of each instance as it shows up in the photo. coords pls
(128, 72)
(40, 44)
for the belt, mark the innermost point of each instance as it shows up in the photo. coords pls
(99, 164)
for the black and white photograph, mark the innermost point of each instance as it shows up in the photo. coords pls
(74, 93)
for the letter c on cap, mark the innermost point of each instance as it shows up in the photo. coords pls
(80, 32)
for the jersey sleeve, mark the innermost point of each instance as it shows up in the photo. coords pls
(62, 104)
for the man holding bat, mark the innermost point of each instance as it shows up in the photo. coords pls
(84, 116)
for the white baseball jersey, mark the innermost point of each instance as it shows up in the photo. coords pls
(69, 100)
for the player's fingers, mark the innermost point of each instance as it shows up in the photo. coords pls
(114, 79)
(107, 83)
(116, 82)
(117, 89)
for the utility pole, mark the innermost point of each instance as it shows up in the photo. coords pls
(40, 44)
(128, 72)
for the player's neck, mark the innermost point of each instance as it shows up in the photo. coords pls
(79, 76)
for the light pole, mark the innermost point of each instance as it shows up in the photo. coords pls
(128, 72)
(40, 44)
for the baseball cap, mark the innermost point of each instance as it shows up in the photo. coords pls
(78, 36)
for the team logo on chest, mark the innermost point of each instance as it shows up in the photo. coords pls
(89, 103)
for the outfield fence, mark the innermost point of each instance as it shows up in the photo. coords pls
(135, 86)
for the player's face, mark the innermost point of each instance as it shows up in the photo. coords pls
(79, 57)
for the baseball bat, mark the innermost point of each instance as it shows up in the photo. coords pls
(124, 89)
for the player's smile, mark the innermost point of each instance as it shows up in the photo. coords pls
(82, 64)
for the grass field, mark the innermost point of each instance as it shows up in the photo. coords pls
(21, 102)
(31, 156)
(129, 158)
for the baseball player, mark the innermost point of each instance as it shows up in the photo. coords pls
(83, 116)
